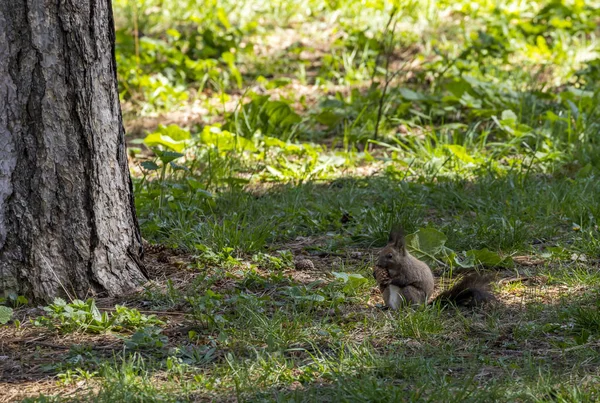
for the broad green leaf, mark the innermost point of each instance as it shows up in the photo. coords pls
(427, 240)
(158, 139)
(280, 113)
(198, 187)
(5, 314)
(411, 95)
(149, 165)
(352, 280)
(470, 101)
(581, 93)
(585, 171)
(340, 275)
(488, 258)
(453, 259)
(167, 156)
(274, 142)
(60, 302)
(458, 87)
(225, 141)
(552, 117)
(175, 132)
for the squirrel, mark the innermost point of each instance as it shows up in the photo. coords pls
(404, 279)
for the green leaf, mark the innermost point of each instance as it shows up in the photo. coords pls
(149, 165)
(459, 152)
(59, 302)
(225, 141)
(228, 58)
(411, 95)
(157, 139)
(428, 241)
(5, 314)
(275, 142)
(508, 116)
(167, 156)
(172, 136)
(466, 263)
(328, 118)
(281, 114)
(175, 132)
(552, 117)
(488, 258)
(352, 280)
(585, 171)
(173, 33)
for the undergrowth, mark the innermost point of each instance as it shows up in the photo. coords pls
(307, 129)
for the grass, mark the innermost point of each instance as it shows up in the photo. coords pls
(262, 133)
(494, 212)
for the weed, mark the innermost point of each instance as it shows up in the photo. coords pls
(86, 317)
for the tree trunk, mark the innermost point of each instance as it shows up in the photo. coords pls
(67, 219)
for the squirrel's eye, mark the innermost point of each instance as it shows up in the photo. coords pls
(389, 256)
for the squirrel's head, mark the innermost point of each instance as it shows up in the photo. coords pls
(394, 253)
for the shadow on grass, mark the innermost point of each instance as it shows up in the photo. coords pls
(509, 214)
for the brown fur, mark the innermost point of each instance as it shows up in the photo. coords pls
(413, 277)
(404, 279)
(471, 290)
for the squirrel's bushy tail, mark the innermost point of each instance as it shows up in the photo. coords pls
(472, 290)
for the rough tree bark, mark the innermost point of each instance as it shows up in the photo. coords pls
(67, 220)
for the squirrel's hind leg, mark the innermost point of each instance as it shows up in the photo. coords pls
(395, 297)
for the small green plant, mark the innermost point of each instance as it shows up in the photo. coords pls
(264, 116)
(86, 317)
(197, 355)
(132, 319)
(14, 300)
(147, 338)
(75, 316)
(305, 296)
(283, 261)
(73, 376)
(353, 283)
(206, 309)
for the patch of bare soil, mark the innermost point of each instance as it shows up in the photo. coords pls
(30, 356)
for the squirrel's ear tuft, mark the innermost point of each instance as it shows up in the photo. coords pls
(396, 238)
